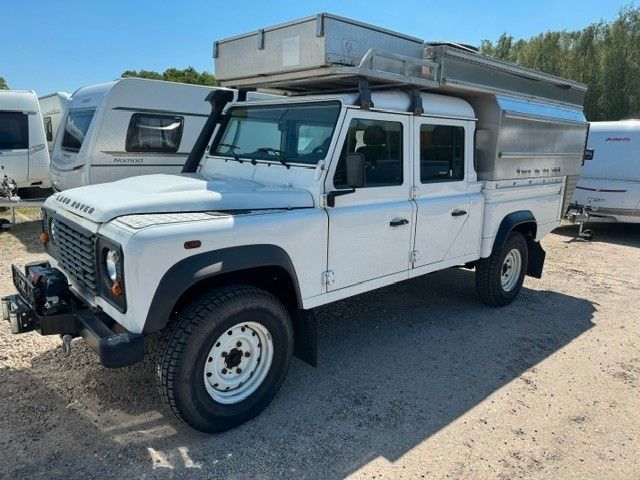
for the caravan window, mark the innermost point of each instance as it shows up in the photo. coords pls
(14, 130)
(48, 128)
(76, 128)
(154, 133)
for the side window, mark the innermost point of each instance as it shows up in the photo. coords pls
(441, 153)
(48, 128)
(154, 133)
(380, 142)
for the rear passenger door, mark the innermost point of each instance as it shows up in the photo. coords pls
(441, 196)
(370, 230)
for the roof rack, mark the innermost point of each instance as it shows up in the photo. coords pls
(330, 54)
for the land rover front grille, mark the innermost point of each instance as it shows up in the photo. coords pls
(74, 249)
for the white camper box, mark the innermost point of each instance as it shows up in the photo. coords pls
(23, 151)
(127, 127)
(609, 186)
(53, 107)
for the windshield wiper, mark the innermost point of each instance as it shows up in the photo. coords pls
(234, 154)
(274, 151)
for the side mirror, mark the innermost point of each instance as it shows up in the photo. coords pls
(355, 170)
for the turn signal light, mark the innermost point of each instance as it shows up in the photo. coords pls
(116, 288)
(44, 238)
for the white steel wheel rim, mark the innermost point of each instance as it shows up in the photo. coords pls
(511, 267)
(238, 362)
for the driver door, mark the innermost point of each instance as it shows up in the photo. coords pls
(370, 229)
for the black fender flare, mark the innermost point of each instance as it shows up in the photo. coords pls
(537, 254)
(191, 270)
(508, 224)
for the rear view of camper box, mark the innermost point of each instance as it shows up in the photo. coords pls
(529, 124)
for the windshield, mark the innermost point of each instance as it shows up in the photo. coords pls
(78, 122)
(298, 133)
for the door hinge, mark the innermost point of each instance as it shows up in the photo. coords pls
(327, 278)
(413, 256)
(323, 201)
(413, 193)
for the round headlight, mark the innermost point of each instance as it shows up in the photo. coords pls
(111, 262)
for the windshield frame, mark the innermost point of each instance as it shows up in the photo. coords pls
(276, 160)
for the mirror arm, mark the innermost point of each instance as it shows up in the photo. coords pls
(331, 196)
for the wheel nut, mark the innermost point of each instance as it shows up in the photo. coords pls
(224, 370)
(239, 344)
(238, 370)
(247, 354)
(224, 354)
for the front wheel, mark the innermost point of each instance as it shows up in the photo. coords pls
(499, 277)
(224, 358)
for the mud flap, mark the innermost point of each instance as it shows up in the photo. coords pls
(305, 329)
(536, 259)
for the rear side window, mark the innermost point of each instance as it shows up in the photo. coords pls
(154, 133)
(14, 130)
(76, 128)
(48, 128)
(441, 153)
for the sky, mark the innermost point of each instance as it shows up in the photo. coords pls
(50, 46)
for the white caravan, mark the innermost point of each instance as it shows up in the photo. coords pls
(23, 149)
(127, 127)
(609, 186)
(53, 107)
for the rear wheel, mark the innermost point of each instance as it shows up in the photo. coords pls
(224, 358)
(499, 277)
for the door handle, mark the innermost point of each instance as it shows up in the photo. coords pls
(399, 222)
(458, 213)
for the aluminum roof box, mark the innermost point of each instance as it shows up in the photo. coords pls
(326, 53)
(308, 49)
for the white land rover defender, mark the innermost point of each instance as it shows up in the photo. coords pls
(387, 159)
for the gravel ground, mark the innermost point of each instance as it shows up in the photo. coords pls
(418, 380)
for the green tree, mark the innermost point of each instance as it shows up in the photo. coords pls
(3, 84)
(187, 75)
(604, 55)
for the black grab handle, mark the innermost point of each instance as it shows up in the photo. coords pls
(397, 223)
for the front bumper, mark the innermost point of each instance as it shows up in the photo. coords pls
(76, 319)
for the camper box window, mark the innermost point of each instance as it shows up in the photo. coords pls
(14, 131)
(154, 133)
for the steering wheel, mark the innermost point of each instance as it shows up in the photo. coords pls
(319, 149)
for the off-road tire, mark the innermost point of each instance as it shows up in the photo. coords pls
(489, 271)
(186, 345)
